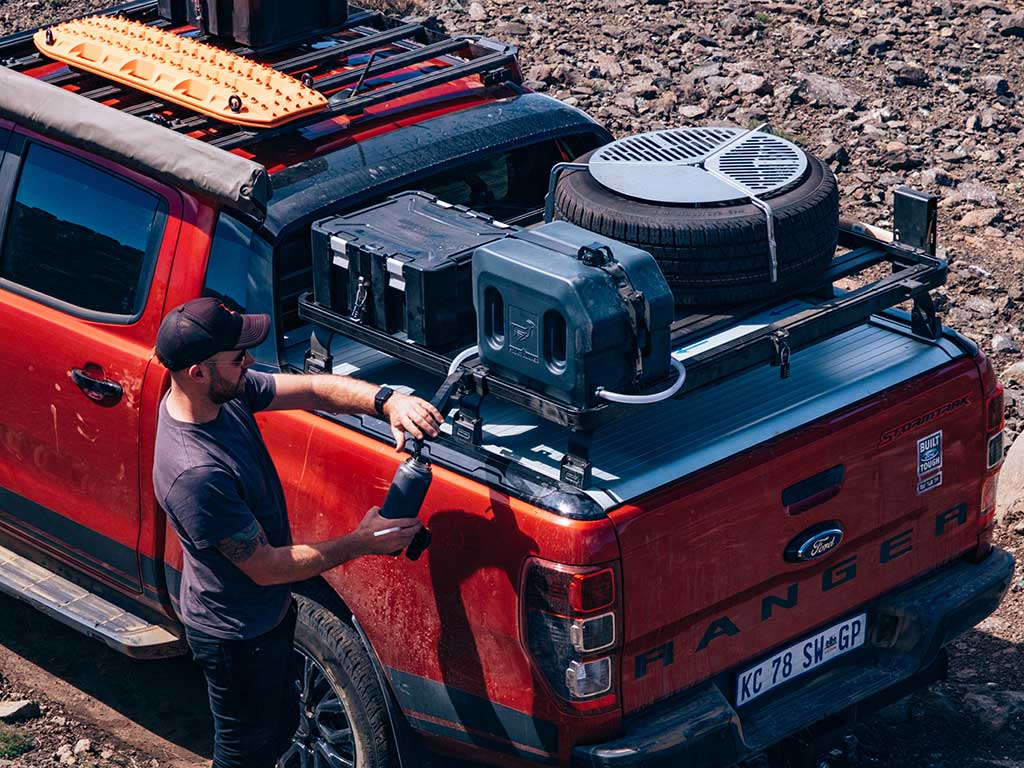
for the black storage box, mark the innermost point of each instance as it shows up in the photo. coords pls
(552, 313)
(413, 253)
(258, 23)
(175, 11)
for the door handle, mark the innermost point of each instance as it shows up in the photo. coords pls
(98, 389)
(814, 490)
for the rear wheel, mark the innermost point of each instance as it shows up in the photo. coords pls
(343, 719)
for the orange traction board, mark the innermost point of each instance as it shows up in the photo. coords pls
(193, 74)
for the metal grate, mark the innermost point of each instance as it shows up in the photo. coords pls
(671, 166)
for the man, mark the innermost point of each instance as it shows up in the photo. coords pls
(214, 478)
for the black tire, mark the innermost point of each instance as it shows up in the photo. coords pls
(337, 683)
(718, 254)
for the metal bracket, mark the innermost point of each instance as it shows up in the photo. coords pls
(923, 320)
(773, 267)
(576, 469)
(549, 198)
(318, 357)
(781, 352)
(915, 216)
(467, 424)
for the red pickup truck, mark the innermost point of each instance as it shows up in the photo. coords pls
(753, 565)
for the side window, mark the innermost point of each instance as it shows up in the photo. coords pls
(80, 235)
(239, 271)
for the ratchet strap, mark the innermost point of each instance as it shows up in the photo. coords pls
(599, 256)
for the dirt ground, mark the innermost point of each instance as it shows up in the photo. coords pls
(888, 92)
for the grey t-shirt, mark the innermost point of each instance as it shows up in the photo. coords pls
(213, 480)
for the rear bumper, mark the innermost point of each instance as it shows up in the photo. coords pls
(908, 629)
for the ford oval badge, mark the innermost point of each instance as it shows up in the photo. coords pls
(815, 542)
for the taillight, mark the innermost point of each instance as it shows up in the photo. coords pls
(995, 450)
(993, 460)
(572, 629)
(994, 409)
(987, 516)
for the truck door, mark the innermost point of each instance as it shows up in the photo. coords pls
(84, 251)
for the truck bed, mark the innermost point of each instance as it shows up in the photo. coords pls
(659, 444)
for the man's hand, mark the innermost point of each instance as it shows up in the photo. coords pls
(372, 541)
(413, 415)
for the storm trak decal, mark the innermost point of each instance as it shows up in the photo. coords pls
(891, 434)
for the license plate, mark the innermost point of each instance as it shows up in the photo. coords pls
(801, 657)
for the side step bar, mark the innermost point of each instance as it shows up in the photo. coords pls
(80, 609)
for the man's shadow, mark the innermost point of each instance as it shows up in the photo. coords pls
(489, 547)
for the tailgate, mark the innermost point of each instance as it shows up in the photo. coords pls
(706, 581)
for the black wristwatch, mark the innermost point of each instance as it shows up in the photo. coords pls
(383, 395)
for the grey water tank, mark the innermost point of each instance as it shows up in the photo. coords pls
(554, 318)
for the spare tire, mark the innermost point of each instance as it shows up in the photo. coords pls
(717, 254)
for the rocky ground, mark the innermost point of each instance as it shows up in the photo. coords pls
(924, 93)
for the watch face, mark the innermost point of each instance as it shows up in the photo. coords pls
(382, 397)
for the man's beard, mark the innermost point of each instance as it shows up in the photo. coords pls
(221, 390)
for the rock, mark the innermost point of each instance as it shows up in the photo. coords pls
(977, 193)
(835, 153)
(607, 66)
(995, 708)
(898, 157)
(1012, 25)
(106, 754)
(1010, 492)
(994, 84)
(692, 111)
(910, 74)
(1003, 343)
(477, 12)
(82, 746)
(981, 217)
(735, 26)
(748, 83)
(937, 176)
(1014, 374)
(706, 71)
(827, 91)
(878, 44)
(12, 711)
(515, 28)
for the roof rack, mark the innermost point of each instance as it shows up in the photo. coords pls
(392, 45)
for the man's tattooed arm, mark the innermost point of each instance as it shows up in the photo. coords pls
(267, 565)
(243, 545)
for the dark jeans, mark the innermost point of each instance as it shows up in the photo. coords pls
(253, 698)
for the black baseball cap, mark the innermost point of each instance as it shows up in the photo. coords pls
(198, 329)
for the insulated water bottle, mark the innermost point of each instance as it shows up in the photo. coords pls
(405, 497)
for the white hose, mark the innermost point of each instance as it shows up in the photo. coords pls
(615, 397)
(460, 358)
(654, 397)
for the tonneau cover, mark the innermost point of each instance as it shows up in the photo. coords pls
(134, 142)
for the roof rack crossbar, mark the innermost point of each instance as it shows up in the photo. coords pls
(496, 63)
(391, 63)
(397, 61)
(370, 41)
